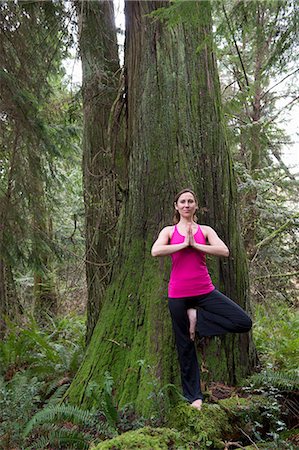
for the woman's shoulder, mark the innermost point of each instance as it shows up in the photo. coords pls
(168, 230)
(205, 229)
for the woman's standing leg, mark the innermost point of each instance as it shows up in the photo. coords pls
(186, 350)
(218, 314)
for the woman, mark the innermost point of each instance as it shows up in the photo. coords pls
(190, 287)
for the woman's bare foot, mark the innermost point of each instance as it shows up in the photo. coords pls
(192, 321)
(197, 404)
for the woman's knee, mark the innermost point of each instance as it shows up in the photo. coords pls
(246, 324)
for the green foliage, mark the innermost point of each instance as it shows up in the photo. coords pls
(63, 415)
(44, 353)
(146, 438)
(19, 399)
(204, 428)
(38, 365)
(39, 148)
(55, 414)
(60, 438)
(179, 11)
(256, 48)
(274, 380)
(276, 337)
(164, 397)
(259, 415)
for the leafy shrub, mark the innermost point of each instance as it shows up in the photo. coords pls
(36, 368)
(43, 352)
(19, 399)
(276, 337)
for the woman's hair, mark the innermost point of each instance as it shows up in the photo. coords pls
(176, 217)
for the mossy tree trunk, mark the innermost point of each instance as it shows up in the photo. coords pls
(100, 69)
(175, 139)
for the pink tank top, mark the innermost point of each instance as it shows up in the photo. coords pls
(189, 274)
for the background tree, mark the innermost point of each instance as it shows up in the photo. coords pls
(29, 31)
(101, 74)
(257, 47)
(175, 139)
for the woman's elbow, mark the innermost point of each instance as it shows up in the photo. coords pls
(226, 252)
(154, 252)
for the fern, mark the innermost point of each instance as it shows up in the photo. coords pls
(19, 399)
(69, 438)
(61, 438)
(56, 414)
(58, 394)
(108, 406)
(278, 379)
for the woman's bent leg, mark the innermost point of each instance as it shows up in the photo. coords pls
(186, 350)
(218, 314)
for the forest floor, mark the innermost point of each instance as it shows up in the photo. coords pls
(37, 366)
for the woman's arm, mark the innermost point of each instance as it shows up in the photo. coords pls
(162, 248)
(215, 247)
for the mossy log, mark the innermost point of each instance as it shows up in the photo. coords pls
(146, 438)
(230, 420)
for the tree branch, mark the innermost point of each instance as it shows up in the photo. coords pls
(278, 83)
(280, 111)
(275, 233)
(236, 46)
(278, 275)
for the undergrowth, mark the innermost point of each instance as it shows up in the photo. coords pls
(276, 337)
(37, 367)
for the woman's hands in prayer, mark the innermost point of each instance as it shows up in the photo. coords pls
(189, 236)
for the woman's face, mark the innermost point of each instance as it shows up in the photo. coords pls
(186, 205)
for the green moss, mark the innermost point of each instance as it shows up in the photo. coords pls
(146, 438)
(215, 360)
(131, 340)
(242, 411)
(216, 423)
(207, 427)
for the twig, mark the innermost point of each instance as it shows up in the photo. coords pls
(235, 444)
(248, 437)
(278, 275)
(279, 82)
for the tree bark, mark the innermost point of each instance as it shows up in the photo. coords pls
(100, 68)
(176, 139)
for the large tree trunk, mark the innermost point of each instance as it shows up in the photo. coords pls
(175, 139)
(100, 69)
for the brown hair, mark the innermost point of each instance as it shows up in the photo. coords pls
(176, 217)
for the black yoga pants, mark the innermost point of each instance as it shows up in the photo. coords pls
(217, 315)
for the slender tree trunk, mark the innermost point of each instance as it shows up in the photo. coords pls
(100, 67)
(255, 144)
(45, 297)
(10, 306)
(175, 139)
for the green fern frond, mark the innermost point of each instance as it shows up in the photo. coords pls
(277, 379)
(56, 414)
(61, 438)
(57, 396)
(68, 439)
(40, 443)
